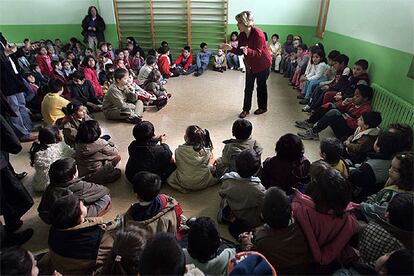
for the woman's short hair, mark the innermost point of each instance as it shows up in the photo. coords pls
(245, 17)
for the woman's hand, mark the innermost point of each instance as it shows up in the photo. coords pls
(244, 48)
(225, 46)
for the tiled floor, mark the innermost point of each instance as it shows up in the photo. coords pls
(211, 101)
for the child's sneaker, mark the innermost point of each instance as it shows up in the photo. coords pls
(134, 120)
(308, 135)
(303, 124)
(306, 108)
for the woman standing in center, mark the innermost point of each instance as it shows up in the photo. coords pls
(252, 44)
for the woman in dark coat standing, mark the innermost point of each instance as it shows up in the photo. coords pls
(93, 27)
(252, 44)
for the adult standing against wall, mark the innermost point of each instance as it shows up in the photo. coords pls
(93, 27)
(252, 45)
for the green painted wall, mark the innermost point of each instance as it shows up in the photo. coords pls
(387, 67)
(16, 33)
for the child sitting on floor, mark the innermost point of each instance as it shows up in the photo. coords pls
(362, 141)
(370, 176)
(184, 61)
(64, 180)
(242, 195)
(281, 239)
(53, 102)
(233, 59)
(401, 181)
(67, 69)
(242, 131)
(331, 152)
(78, 245)
(119, 102)
(76, 114)
(289, 168)
(220, 63)
(150, 64)
(203, 59)
(44, 62)
(145, 154)
(82, 91)
(164, 63)
(154, 85)
(276, 52)
(203, 248)
(326, 218)
(96, 158)
(193, 159)
(108, 77)
(43, 153)
(153, 212)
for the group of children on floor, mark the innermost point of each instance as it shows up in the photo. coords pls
(349, 212)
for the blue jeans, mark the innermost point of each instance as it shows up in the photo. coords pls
(22, 124)
(233, 60)
(310, 86)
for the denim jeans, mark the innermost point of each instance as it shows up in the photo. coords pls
(232, 60)
(310, 86)
(22, 124)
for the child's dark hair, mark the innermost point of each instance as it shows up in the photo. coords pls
(234, 33)
(289, 147)
(401, 210)
(88, 132)
(164, 43)
(372, 118)
(333, 54)
(202, 45)
(151, 60)
(275, 35)
(15, 261)
(55, 63)
(152, 52)
(55, 85)
(276, 211)
(198, 138)
(400, 262)
(389, 143)
(242, 129)
(406, 133)
(321, 47)
(247, 163)
(65, 212)
(153, 76)
(146, 185)
(102, 44)
(33, 66)
(109, 66)
(315, 171)
(333, 193)
(78, 75)
(332, 148)
(318, 51)
(76, 62)
(163, 50)
(119, 73)
(72, 108)
(342, 59)
(126, 251)
(187, 48)
(162, 255)
(27, 75)
(303, 46)
(47, 136)
(366, 91)
(62, 170)
(143, 132)
(134, 42)
(406, 181)
(363, 63)
(85, 62)
(203, 239)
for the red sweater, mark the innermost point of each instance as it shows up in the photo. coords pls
(45, 65)
(90, 75)
(164, 65)
(258, 55)
(189, 61)
(354, 111)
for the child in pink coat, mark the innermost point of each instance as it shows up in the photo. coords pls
(88, 67)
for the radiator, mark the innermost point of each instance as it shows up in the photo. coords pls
(393, 109)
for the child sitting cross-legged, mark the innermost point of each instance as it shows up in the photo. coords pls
(242, 195)
(150, 64)
(220, 63)
(78, 245)
(76, 114)
(96, 157)
(362, 141)
(43, 153)
(155, 87)
(242, 131)
(203, 248)
(194, 161)
(185, 61)
(331, 152)
(64, 180)
(289, 168)
(153, 212)
(164, 63)
(81, 90)
(281, 239)
(149, 153)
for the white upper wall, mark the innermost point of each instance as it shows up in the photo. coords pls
(388, 23)
(277, 12)
(25, 12)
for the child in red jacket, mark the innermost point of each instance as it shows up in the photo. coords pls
(164, 63)
(44, 62)
(184, 61)
(89, 68)
(341, 116)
